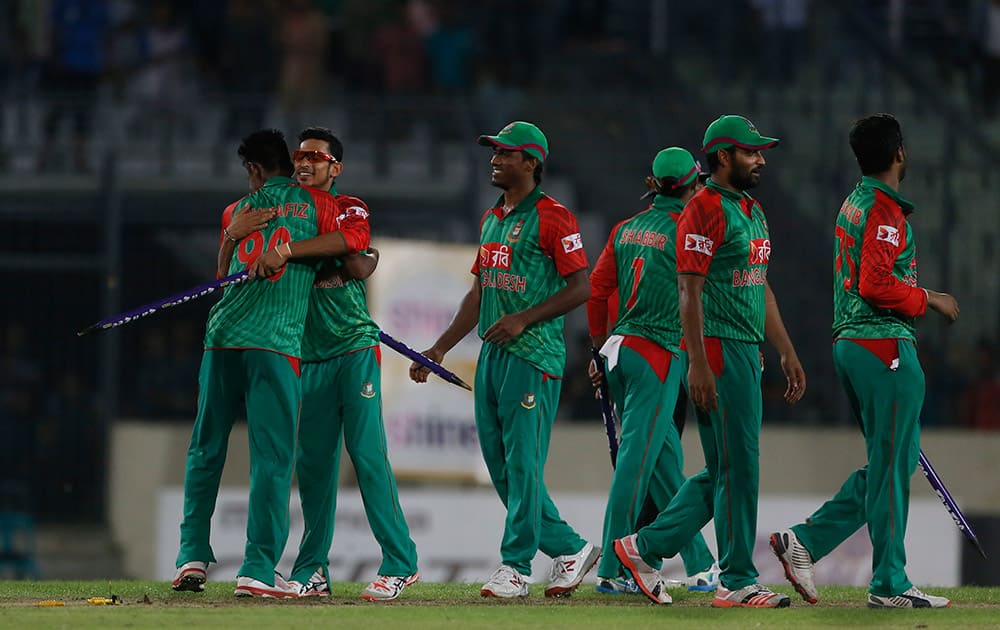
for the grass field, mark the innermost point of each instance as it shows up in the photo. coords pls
(153, 604)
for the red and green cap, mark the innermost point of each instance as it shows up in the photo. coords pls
(735, 131)
(676, 163)
(520, 136)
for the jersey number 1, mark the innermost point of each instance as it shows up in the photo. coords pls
(637, 264)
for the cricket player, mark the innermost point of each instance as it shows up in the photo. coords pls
(644, 363)
(876, 301)
(727, 308)
(530, 271)
(342, 396)
(252, 354)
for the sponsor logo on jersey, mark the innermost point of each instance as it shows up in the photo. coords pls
(528, 402)
(515, 232)
(367, 390)
(888, 234)
(698, 243)
(760, 251)
(572, 242)
(494, 256)
(356, 211)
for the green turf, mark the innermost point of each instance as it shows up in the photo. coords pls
(153, 604)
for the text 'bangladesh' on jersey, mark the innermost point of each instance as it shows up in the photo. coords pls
(522, 260)
(723, 236)
(338, 321)
(875, 294)
(639, 262)
(270, 313)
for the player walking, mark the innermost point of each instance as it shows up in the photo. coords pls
(342, 396)
(875, 303)
(727, 308)
(252, 346)
(644, 363)
(530, 271)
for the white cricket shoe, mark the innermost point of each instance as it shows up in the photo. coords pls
(249, 587)
(750, 596)
(388, 587)
(318, 584)
(913, 598)
(505, 582)
(568, 571)
(190, 576)
(646, 577)
(797, 562)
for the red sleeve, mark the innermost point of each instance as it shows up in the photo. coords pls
(475, 265)
(885, 237)
(352, 221)
(559, 237)
(227, 218)
(603, 283)
(699, 233)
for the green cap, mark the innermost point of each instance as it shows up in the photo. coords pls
(520, 136)
(678, 164)
(734, 131)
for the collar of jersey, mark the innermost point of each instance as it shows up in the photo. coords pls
(280, 180)
(905, 204)
(725, 192)
(668, 204)
(528, 202)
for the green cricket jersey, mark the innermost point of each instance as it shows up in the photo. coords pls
(723, 236)
(875, 294)
(269, 314)
(523, 258)
(644, 258)
(338, 321)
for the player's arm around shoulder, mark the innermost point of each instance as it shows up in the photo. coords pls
(341, 231)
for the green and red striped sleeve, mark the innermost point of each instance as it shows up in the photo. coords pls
(884, 238)
(559, 236)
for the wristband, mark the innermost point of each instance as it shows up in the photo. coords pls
(229, 237)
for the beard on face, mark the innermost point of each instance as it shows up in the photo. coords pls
(742, 177)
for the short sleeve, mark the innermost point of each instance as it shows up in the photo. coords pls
(700, 232)
(352, 221)
(559, 237)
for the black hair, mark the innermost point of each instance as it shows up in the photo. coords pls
(666, 186)
(539, 168)
(712, 159)
(267, 148)
(324, 134)
(875, 140)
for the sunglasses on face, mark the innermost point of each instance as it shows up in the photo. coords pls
(313, 157)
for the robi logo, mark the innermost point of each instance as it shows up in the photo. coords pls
(760, 251)
(494, 256)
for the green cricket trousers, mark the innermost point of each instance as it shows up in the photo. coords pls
(515, 405)
(342, 396)
(268, 384)
(726, 489)
(886, 402)
(650, 458)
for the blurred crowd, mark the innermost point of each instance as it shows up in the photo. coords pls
(162, 60)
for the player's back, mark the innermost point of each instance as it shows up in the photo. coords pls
(270, 313)
(646, 264)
